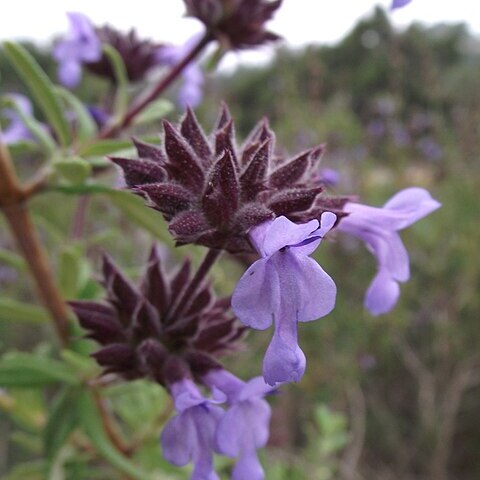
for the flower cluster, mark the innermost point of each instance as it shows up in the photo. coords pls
(201, 427)
(138, 55)
(142, 329)
(158, 332)
(212, 192)
(83, 46)
(239, 199)
(236, 24)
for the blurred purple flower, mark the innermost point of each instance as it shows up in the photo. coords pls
(430, 148)
(190, 435)
(191, 92)
(100, 116)
(329, 176)
(399, 3)
(285, 286)
(244, 428)
(400, 135)
(16, 130)
(81, 45)
(376, 128)
(378, 227)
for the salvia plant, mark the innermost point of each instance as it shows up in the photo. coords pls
(240, 197)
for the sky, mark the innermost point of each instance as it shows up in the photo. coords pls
(300, 22)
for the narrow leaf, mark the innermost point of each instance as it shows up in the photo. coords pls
(12, 259)
(41, 88)
(109, 146)
(121, 79)
(13, 311)
(93, 428)
(104, 147)
(62, 420)
(154, 112)
(86, 126)
(28, 370)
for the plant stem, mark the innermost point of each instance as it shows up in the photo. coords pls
(29, 244)
(111, 429)
(78, 225)
(184, 302)
(164, 83)
(13, 206)
(10, 188)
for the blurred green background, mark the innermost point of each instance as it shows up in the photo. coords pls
(394, 397)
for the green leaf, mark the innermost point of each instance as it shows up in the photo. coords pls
(86, 126)
(14, 311)
(81, 189)
(34, 470)
(35, 127)
(108, 146)
(103, 147)
(26, 407)
(41, 88)
(12, 260)
(84, 365)
(134, 208)
(27, 370)
(73, 272)
(121, 80)
(139, 403)
(155, 111)
(62, 420)
(93, 427)
(74, 169)
(23, 147)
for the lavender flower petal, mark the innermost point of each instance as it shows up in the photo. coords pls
(382, 294)
(190, 435)
(16, 131)
(378, 227)
(69, 73)
(286, 286)
(191, 91)
(399, 3)
(282, 232)
(244, 427)
(248, 466)
(414, 203)
(284, 360)
(80, 45)
(257, 295)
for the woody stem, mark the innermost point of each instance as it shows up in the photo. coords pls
(140, 105)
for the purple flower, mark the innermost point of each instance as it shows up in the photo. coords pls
(190, 435)
(285, 286)
(376, 129)
(191, 92)
(430, 148)
(81, 45)
(16, 130)
(329, 176)
(378, 227)
(399, 3)
(244, 427)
